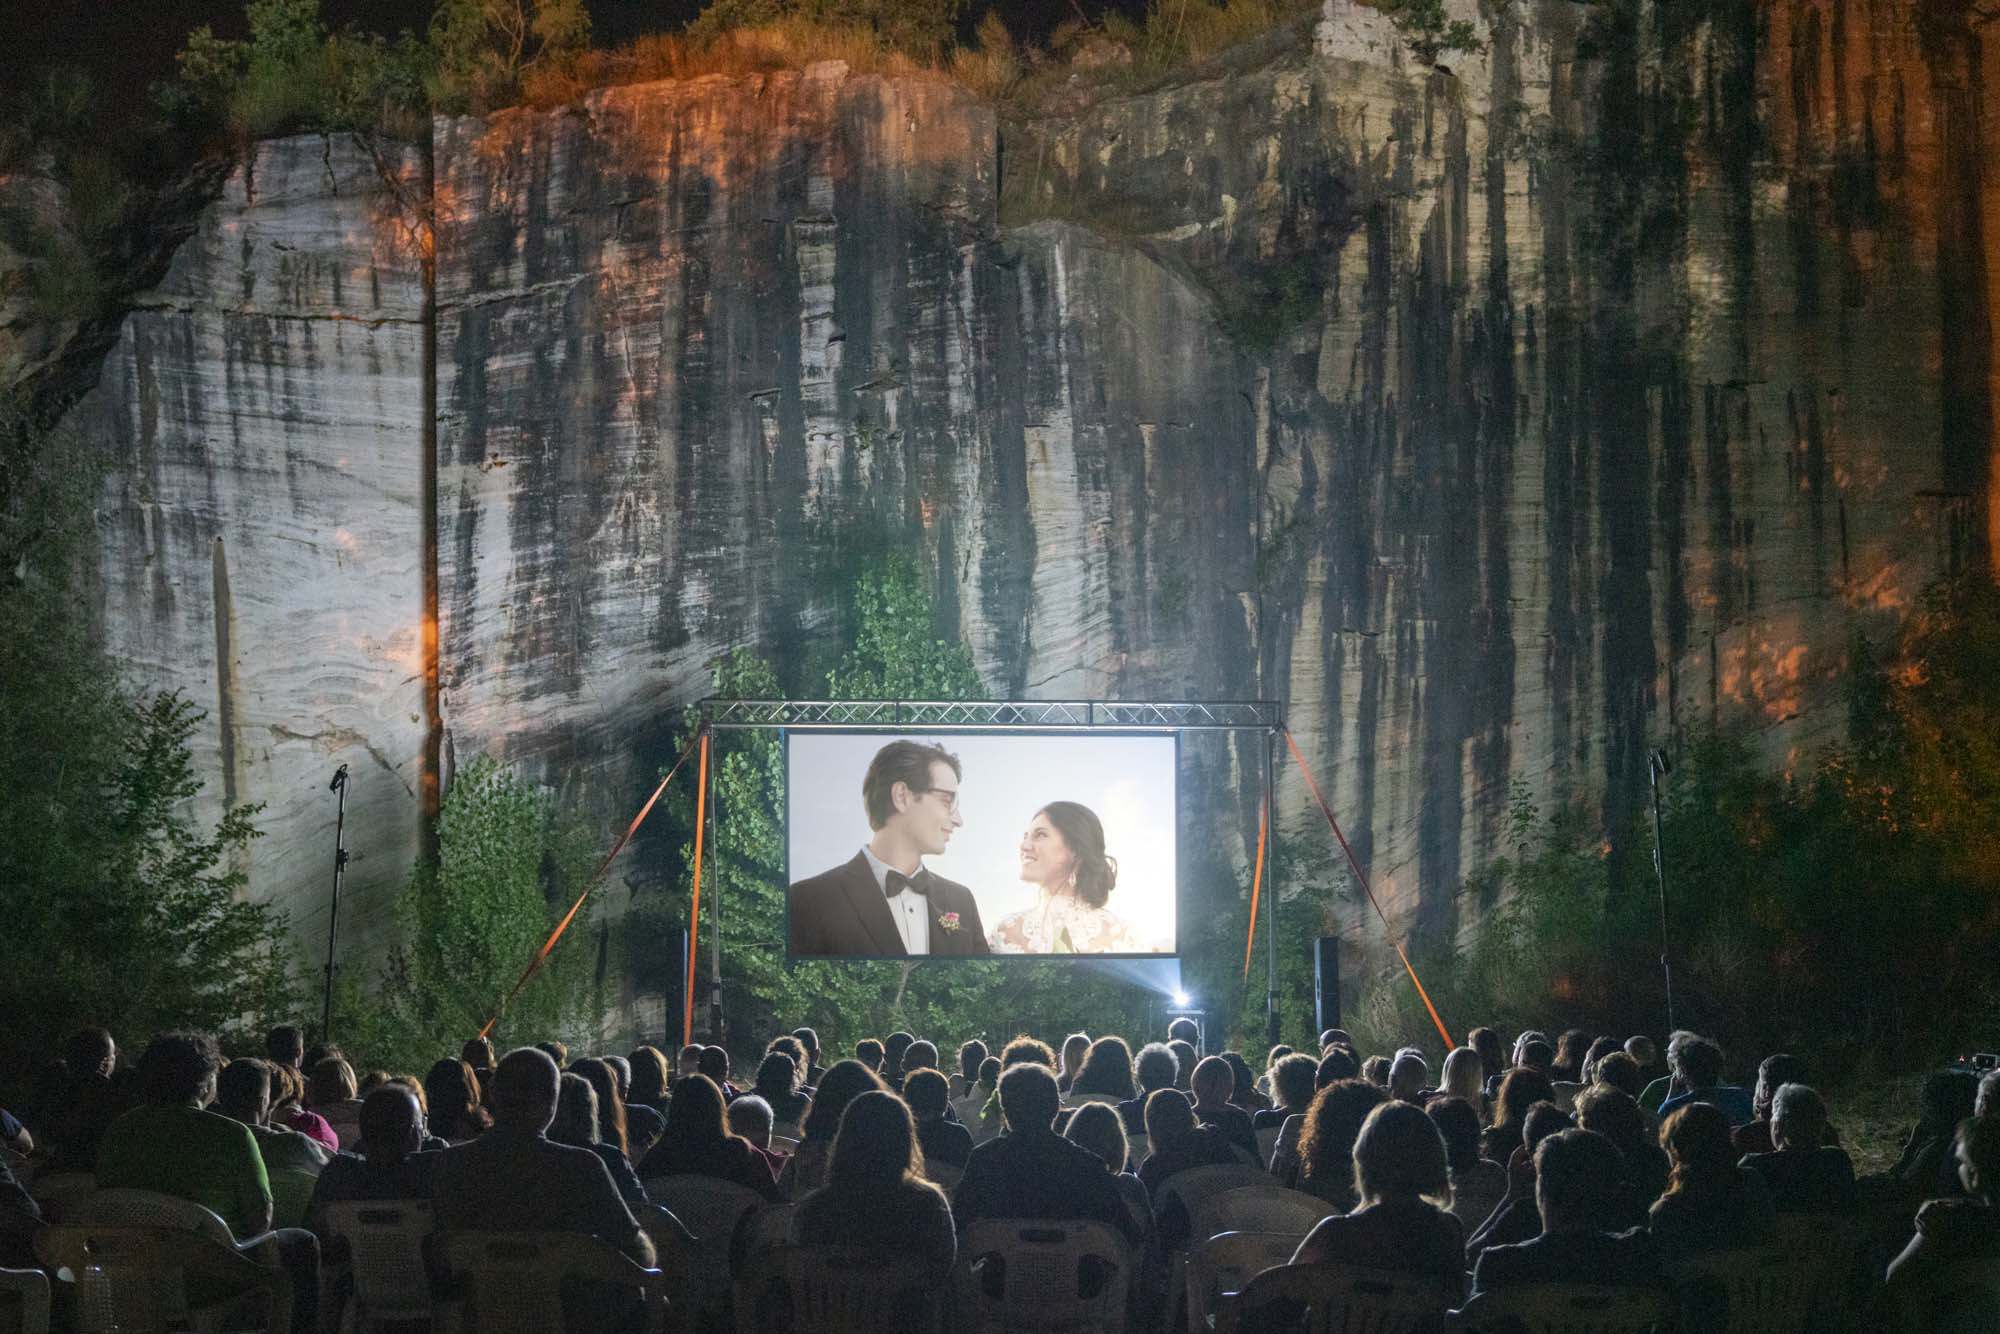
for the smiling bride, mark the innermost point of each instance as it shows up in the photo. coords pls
(1063, 852)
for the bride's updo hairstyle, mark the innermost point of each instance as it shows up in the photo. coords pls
(1096, 873)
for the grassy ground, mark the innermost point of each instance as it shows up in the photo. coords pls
(1873, 1116)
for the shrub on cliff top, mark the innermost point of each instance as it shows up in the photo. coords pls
(921, 29)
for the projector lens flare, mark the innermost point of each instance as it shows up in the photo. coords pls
(1181, 998)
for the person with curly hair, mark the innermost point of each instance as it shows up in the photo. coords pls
(1326, 1142)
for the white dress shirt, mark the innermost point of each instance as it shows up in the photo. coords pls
(910, 912)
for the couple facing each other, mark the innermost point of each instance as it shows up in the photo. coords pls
(883, 903)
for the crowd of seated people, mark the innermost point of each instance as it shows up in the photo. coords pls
(1570, 1161)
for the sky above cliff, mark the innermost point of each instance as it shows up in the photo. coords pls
(124, 44)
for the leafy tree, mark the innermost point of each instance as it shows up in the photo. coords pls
(484, 48)
(1430, 32)
(122, 908)
(293, 72)
(510, 861)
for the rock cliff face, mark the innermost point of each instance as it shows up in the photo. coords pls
(1501, 420)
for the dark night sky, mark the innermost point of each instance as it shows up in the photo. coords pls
(126, 43)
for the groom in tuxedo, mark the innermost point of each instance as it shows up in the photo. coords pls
(883, 904)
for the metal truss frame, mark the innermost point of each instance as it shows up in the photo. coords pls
(1033, 715)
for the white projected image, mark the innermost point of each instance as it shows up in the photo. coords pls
(1027, 845)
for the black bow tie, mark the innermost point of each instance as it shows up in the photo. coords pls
(895, 882)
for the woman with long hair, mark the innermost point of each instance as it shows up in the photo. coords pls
(875, 1193)
(1710, 1203)
(1570, 1048)
(1106, 1075)
(576, 1124)
(1063, 854)
(646, 1100)
(1520, 1089)
(697, 1142)
(778, 1084)
(1402, 1185)
(611, 1128)
(452, 1090)
(1178, 1142)
(1326, 1143)
(806, 1168)
(1476, 1183)
(1074, 1048)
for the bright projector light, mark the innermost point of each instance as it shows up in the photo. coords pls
(1181, 999)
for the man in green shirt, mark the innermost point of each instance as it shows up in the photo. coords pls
(173, 1145)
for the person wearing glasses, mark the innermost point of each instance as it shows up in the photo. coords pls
(1063, 854)
(884, 903)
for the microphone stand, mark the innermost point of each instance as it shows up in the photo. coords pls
(339, 787)
(1657, 767)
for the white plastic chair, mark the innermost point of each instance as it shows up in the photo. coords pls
(123, 1207)
(943, 1175)
(511, 1282)
(1197, 1185)
(1223, 1264)
(853, 1290)
(1267, 1140)
(135, 1278)
(1769, 1290)
(1264, 1208)
(1565, 1308)
(1054, 1275)
(24, 1301)
(1336, 1298)
(710, 1209)
(385, 1245)
(786, 1130)
(784, 1143)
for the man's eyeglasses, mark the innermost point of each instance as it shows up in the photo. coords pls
(950, 795)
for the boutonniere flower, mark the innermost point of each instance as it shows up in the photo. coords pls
(948, 921)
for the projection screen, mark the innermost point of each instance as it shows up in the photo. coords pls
(976, 845)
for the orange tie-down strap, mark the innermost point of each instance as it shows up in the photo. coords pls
(1355, 866)
(534, 964)
(1256, 882)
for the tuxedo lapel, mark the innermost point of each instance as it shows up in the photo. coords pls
(871, 910)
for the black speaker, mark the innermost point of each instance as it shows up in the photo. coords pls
(1326, 983)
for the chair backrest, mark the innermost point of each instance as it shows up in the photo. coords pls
(1267, 1140)
(786, 1130)
(1195, 1185)
(784, 1143)
(385, 1242)
(135, 1278)
(1768, 1290)
(148, 1208)
(24, 1301)
(1570, 1308)
(1336, 1298)
(709, 1207)
(862, 1290)
(1225, 1263)
(513, 1281)
(1262, 1208)
(943, 1175)
(59, 1192)
(1067, 1275)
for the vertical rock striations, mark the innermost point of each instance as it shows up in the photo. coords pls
(1504, 420)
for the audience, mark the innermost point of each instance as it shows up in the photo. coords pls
(1951, 1231)
(331, 1091)
(805, 1169)
(687, 1061)
(697, 1142)
(1421, 1187)
(778, 1084)
(941, 1141)
(1031, 1172)
(1155, 1068)
(875, 1193)
(1326, 1139)
(577, 1124)
(451, 1088)
(1477, 1184)
(1575, 1177)
(1400, 1181)
(1698, 1065)
(292, 1162)
(1804, 1174)
(869, 1052)
(391, 1164)
(893, 1048)
(1711, 1203)
(1106, 1075)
